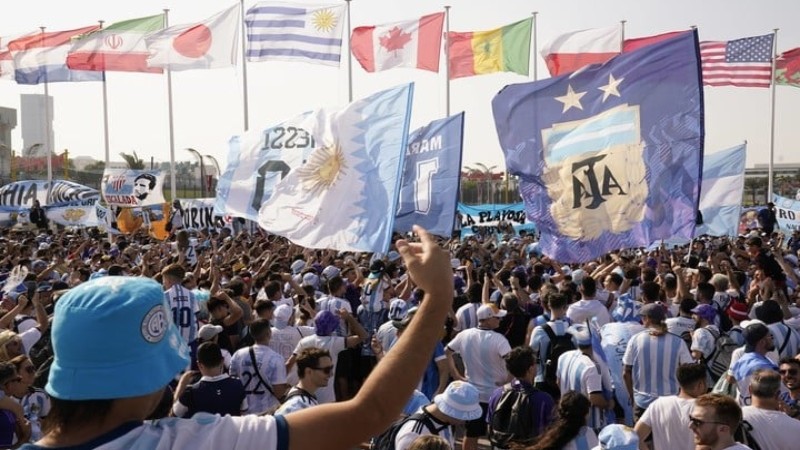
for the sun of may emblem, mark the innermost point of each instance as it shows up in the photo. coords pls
(324, 20)
(322, 169)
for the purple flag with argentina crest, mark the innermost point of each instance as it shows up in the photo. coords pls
(610, 156)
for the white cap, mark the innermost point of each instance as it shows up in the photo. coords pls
(208, 331)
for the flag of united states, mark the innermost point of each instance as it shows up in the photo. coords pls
(745, 62)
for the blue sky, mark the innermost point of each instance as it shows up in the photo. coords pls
(208, 104)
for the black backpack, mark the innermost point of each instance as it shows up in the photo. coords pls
(744, 435)
(386, 440)
(557, 347)
(512, 419)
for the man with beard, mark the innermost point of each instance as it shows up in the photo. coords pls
(714, 420)
(790, 375)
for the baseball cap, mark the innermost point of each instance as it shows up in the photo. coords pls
(617, 437)
(738, 311)
(653, 311)
(403, 323)
(282, 315)
(326, 323)
(487, 311)
(581, 335)
(705, 311)
(208, 331)
(298, 266)
(455, 263)
(397, 309)
(107, 333)
(330, 272)
(311, 279)
(459, 401)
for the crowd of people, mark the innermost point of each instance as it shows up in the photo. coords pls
(216, 339)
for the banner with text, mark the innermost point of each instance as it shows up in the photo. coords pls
(787, 211)
(131, 188)
(21, 194)
(198, 214)
(493, 219)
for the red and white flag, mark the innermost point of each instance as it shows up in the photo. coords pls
(210, 44)
(414, 43)
(7, 57)
(571, 51)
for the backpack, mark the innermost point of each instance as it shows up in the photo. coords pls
(719, 361)
(512, 419)
(386, 440)
(744, 435)
(557, 347)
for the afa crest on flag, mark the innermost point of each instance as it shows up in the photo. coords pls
(429, 193)
(344, 196)
(132, 188)
(609, 157)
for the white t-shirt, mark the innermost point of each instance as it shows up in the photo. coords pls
(272, 369)
(773, 429)
(679, 325)
(482, 352)
(413, 429)
(584, 310)
(296, 402)
(334, 345)
(202, 432)
(30, 338)
(668, 417)
(284, 341)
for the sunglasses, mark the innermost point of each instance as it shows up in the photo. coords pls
(695, 422)
(326, 370)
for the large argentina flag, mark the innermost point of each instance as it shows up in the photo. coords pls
(721, 192)
(610, 156)
(429, 191)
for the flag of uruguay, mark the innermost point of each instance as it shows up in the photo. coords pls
(721, 192)
(295, 32)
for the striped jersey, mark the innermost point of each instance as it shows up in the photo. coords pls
(540, 343)
(334, 304)
(272, 370)
(654, 360)
(785, 337)
(184, 311)
(467, 316)
(578, 372)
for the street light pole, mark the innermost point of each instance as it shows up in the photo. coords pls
(202, 169)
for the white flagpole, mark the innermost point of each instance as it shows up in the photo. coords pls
(535, 47)
(349, 56)
(772, 117)
(173, 188)
(244, 70)
(622, 35)
(105, 116)
(47, 129)
(447, 59)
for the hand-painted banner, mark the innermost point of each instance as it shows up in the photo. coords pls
(130, 188)
(74, 214)
(198, 214)
(788, 213)
(486, 219)
(429, 192)
(21, 194)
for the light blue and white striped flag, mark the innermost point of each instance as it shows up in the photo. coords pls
(721, 192)
(344, 196)
(295, 32)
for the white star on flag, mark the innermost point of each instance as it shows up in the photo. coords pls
(611, 87)
(571, 99)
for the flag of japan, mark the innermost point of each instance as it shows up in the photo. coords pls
(206, 45)
(414, 43)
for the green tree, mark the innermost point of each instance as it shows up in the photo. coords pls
(133, 161)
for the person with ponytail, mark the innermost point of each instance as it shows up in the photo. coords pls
(569, 430)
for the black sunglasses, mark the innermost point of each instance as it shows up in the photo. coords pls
(327, 370)
(695, 422)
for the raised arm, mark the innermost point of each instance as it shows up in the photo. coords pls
(388, 388)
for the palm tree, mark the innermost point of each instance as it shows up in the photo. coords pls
(484, 172)
(133, 161)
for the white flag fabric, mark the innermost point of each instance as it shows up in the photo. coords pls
(132, 188)
(345, 195)
(210, 44)
(6, 57)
